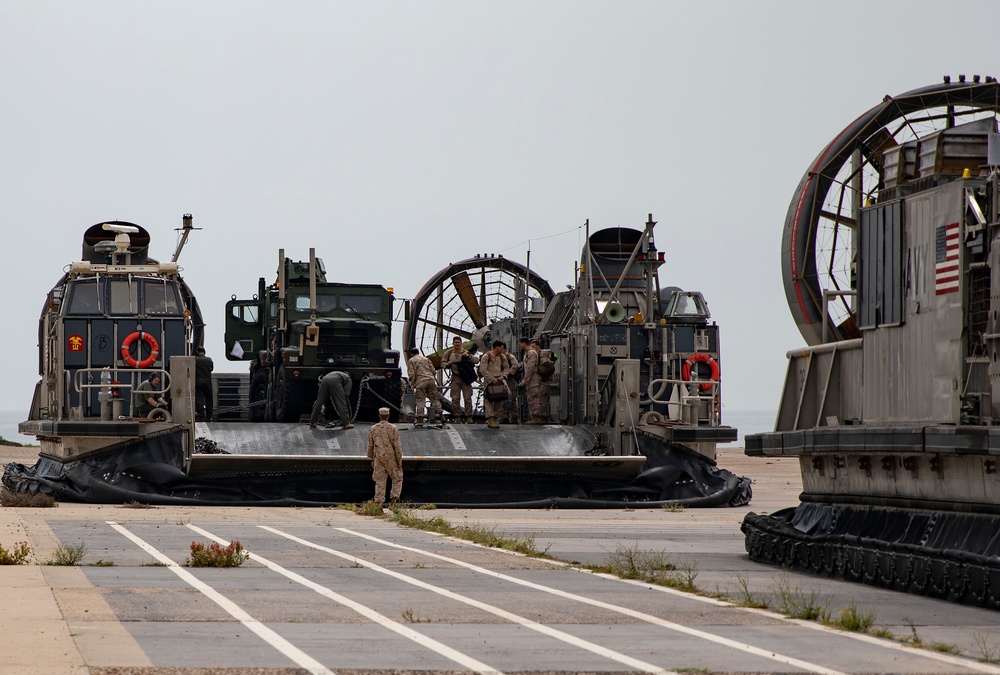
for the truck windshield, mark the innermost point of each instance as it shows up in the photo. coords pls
(361, 304)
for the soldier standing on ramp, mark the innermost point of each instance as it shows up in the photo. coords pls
(204, 397)
(460, 385)
(386, 453)
(536, 387)
(420, 370)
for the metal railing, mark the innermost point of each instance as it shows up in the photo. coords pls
(689, 404)
(111, 383)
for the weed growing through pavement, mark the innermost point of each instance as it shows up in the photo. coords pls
(103, 563)
(370, 508)
(216, 555)
(914, 638)
(944, 648)
(799, 604)
(673, 507)
(630, 562)
(745, 597)
(854, 620)
(16, 556)
(989, 652)
(479, 534)
(67, 556)
(136, 505)
(155, 564)
(410, 617)
(23, 499)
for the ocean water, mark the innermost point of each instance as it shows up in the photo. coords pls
(9, 420)
(748, 422)
(745, 421)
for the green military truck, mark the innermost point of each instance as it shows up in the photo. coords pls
(300, 328)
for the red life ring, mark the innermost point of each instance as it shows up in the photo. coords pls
(154, 350)
(700, 358)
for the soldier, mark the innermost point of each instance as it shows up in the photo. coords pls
(144, 398)
(335, 385)
(508, 408)
(386, 453)
(492, 366)
(421, 373)
(204, 397)
(537, 390)
(461, 385)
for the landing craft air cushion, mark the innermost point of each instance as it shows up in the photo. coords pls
(891, 261)
(636, 395)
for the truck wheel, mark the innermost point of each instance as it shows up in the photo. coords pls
(288, 399)
(258, 394)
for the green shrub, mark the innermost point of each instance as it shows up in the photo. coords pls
(67, 556)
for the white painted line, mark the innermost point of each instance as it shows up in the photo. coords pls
(398, 628)
(888, 644)
(293, 653)
(456, 440)
(642, 616)
(811, 625)
(492, 609)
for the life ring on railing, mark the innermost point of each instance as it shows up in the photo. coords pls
(154, 350)
(700, 358)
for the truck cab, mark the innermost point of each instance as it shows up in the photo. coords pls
(301, 327)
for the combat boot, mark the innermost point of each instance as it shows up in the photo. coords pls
(492, 423)
(418, 422)
(348, 426)
(468, 419)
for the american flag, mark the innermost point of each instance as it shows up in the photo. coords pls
(946, 259)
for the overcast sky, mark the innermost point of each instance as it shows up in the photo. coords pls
(396, 137)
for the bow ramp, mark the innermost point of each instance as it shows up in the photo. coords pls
(285, 448)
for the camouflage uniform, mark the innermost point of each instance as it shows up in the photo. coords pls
(536, 389)
(459, 387)
(334, 385)
(386, 453)
(420, 370)
(508, 408)
(493, 369)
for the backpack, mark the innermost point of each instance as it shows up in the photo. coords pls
(466, 370)
(546, 366)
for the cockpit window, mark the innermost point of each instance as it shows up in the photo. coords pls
(161, 298)
(124, 297)
(687, 304)
(84, 298)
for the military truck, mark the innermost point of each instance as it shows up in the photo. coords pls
(301, 327)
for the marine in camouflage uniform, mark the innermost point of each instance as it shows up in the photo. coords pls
(508, 408)
(420, 370)
(536, 389)
(386, 453)
(492, 366)
(459, 387)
